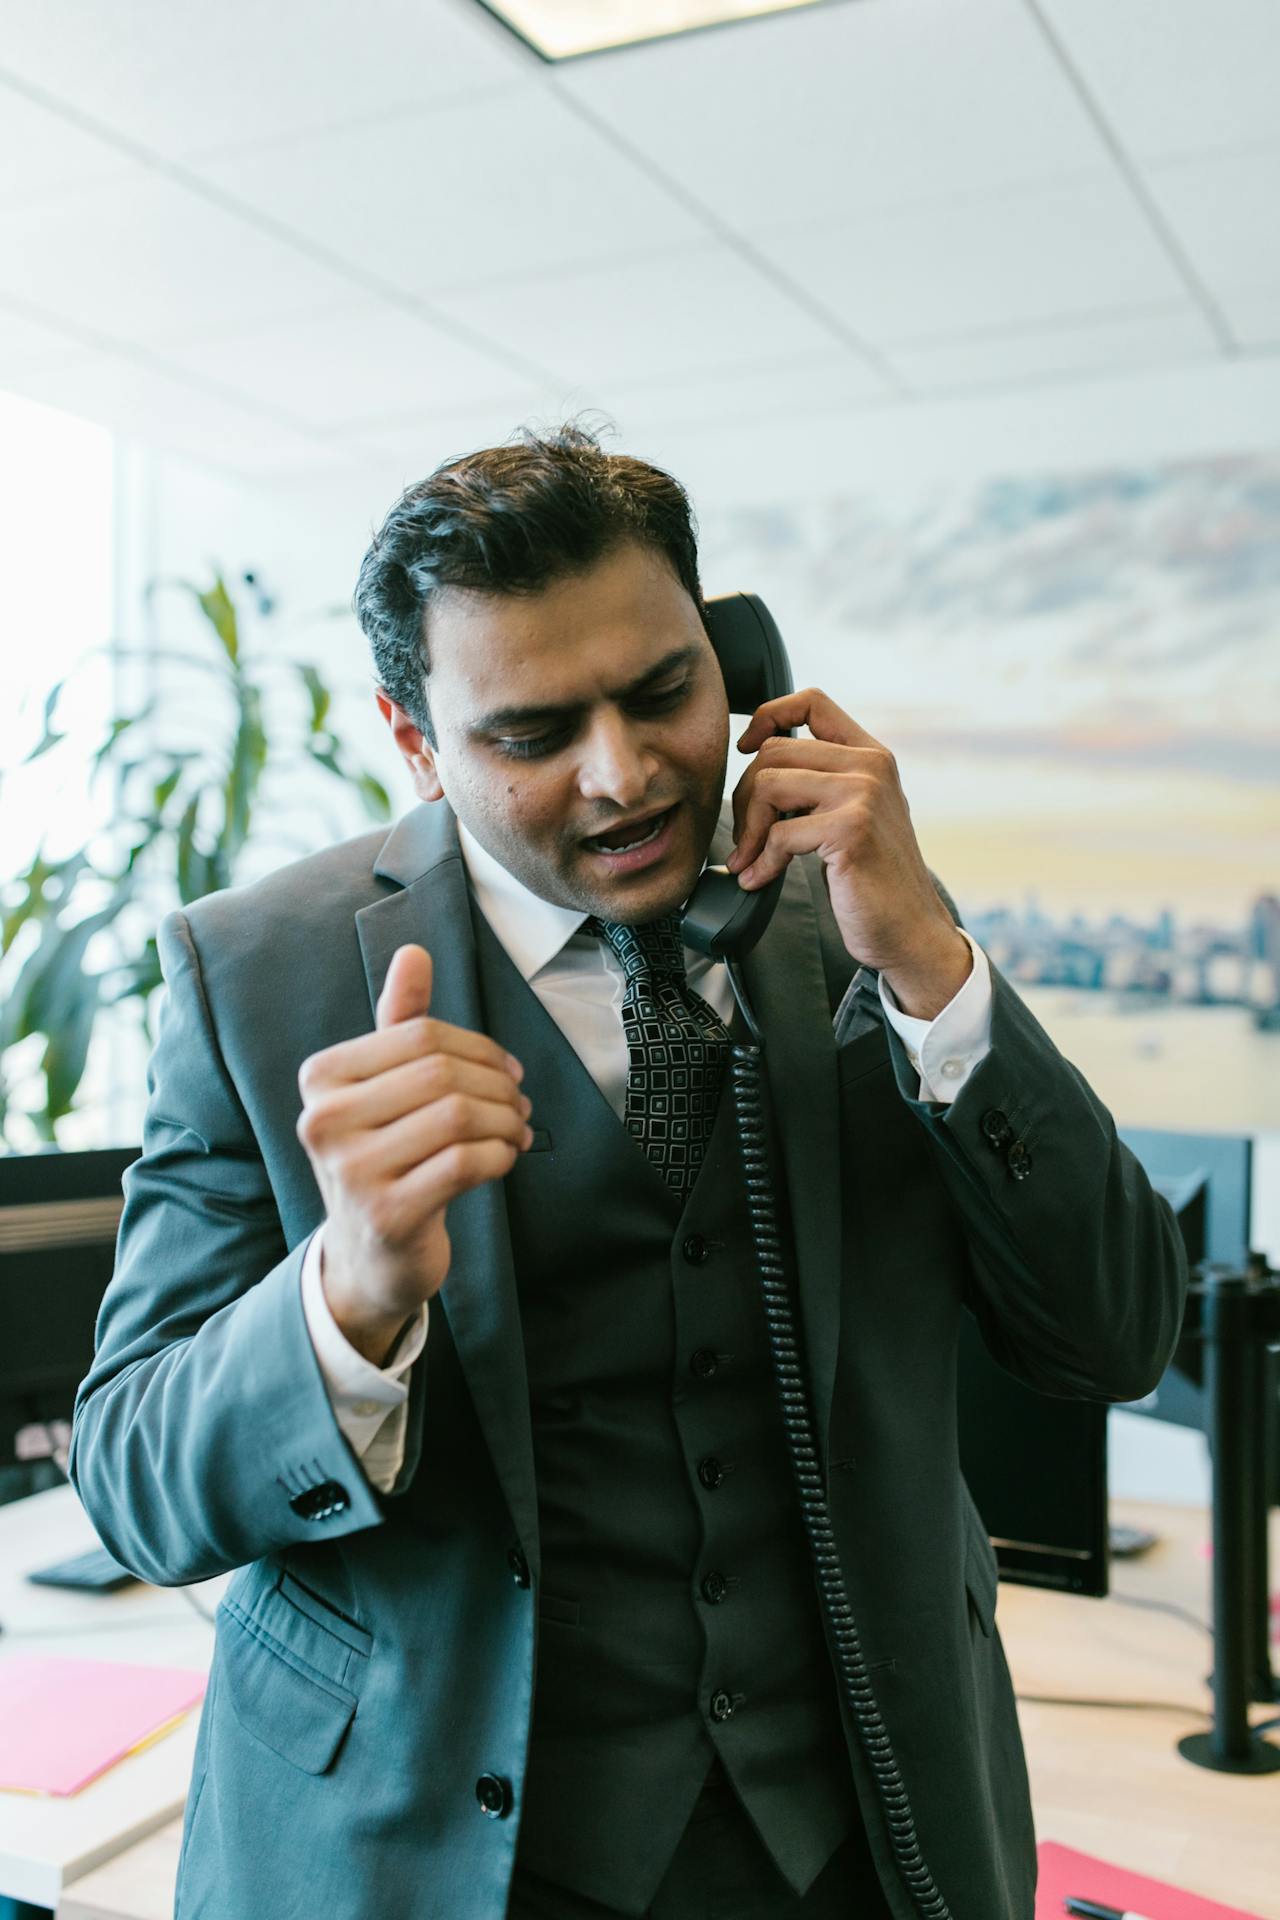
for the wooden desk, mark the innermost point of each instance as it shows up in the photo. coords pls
(46, 1842)
(1106, 1780)
(1110, 1781)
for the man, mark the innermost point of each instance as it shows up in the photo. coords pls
(432, 1318)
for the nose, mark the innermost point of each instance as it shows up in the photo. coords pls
(616, 765)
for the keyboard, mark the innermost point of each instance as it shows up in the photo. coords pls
(92, 1572)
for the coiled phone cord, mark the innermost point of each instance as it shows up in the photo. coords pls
(797, 1419)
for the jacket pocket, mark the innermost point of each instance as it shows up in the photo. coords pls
(278, 1695)
(325, 1615)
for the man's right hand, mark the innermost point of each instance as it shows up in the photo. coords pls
(396, 1123)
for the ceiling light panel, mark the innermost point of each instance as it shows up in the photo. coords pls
(566, 29)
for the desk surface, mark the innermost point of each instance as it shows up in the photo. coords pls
(47, 1842)
(1110, 1780)
(1107, 1780)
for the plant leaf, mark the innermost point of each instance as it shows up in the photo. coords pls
(321, 698)
(376, 799)
(68, 1050)
(120, 725)
(219, 610)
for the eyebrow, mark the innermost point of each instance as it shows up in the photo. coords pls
(503, 718)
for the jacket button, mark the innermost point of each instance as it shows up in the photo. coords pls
(695, 1250)
(519, 1566)
(1018, 1161)
(714, 1588)
(995, 1126)
(703, 1363)
(721, 1705)
(710, 1472)
(319, 1503)
(494, 1795)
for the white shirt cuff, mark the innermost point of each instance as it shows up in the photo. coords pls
(369, 1402)
(945, 1050)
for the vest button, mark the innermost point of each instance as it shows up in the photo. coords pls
(494, 1795)
(714, 1588)
(703, 1363)
(996, 1128)
(721, 1705)
(710, 1472)
(519, 1566)
(695, 1250)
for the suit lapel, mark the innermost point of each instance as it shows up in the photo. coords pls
(433, 909)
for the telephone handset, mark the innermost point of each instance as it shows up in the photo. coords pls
(724, 921)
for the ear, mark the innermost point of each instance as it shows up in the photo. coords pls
(415, 750)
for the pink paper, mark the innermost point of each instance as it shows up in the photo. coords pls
(1079, 1875)
(63, 1722)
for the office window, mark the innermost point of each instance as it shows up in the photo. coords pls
(56, 614)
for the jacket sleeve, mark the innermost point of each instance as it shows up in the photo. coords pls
(1077, 1271)
(203, 1436)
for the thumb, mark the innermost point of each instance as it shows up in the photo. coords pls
(406, 991)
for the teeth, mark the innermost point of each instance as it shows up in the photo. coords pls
(626, 847)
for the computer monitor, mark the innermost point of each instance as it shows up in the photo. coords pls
(1208, 1180)
(59, 1215)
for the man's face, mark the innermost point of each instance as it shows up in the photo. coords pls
(586, 709)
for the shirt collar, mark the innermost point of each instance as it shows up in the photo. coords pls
(532, 930)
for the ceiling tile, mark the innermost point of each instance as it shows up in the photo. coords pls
(1052, 353)
(42, 155)
(335, 369)
(680, 312)
(1254, 317)
(25, 343)
(413, 445)
(484, 190)
(144, 261)
(1177, 76)
(818, 114)
(185, 77)
(1224, 212)
(1009, 261)
(829, 380)
(150, 405)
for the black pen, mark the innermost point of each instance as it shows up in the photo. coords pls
(1094, 1910)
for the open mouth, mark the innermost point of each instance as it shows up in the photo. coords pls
(639, 833)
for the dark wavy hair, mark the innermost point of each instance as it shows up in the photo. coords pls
(510, 519)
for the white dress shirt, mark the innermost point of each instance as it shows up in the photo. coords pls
(580, 981)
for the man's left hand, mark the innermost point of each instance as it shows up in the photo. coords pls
(843, 787)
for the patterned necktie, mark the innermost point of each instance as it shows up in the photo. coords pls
(676, 1046)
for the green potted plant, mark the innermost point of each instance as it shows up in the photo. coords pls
(77, 934)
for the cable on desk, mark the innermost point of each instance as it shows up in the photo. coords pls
(1162, 1606)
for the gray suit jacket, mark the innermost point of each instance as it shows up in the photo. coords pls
(375, 1658)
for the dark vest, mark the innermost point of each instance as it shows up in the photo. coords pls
(677, 1615)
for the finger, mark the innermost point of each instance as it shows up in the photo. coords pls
(394, 1149)
(780, 751)
(786, 790)
(406, 991)
(373, 1053)
(388, 1096)
(809, 707)
(785, 839)
(435, 1182)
